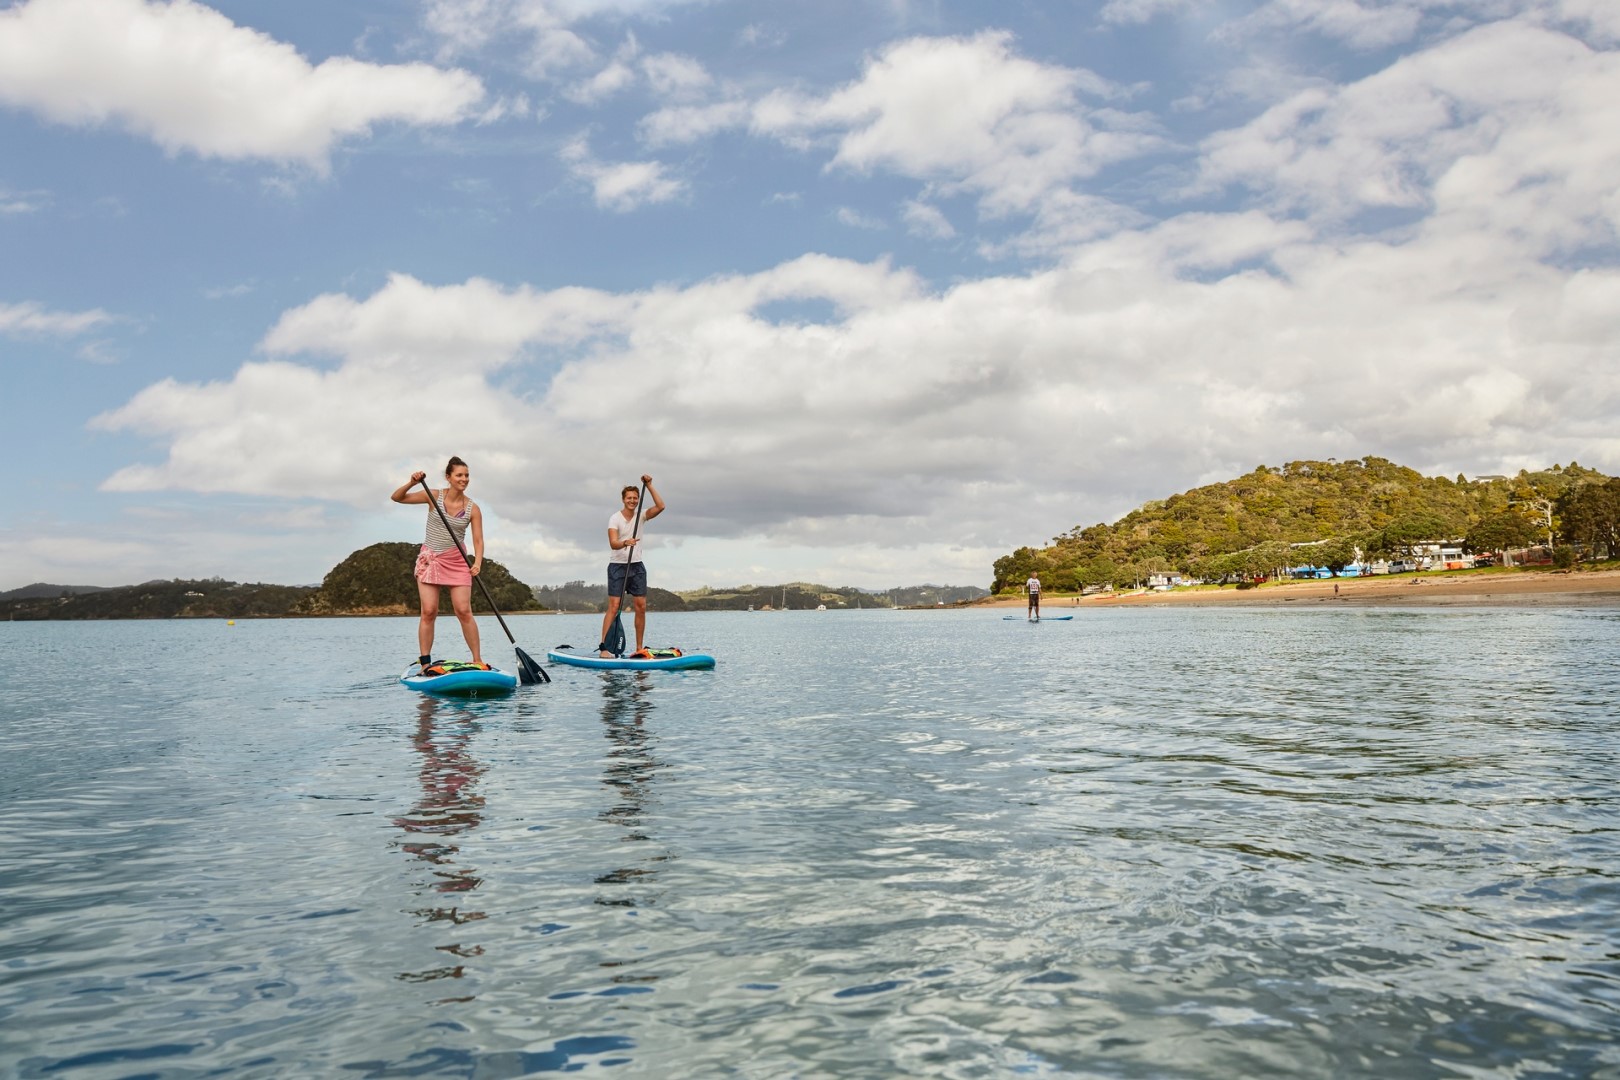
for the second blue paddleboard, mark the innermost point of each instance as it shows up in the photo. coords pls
(688, 662)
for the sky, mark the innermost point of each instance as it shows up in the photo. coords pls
(875, 291)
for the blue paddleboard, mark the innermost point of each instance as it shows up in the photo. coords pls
(469, 682)
(1043, 618)
(685, 662)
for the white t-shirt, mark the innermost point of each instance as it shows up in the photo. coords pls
(1033, 585)
(624, 526)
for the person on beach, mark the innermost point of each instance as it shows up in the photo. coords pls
(626, 571)
(1033, 587)
(440, 561)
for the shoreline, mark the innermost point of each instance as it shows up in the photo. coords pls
(1446, 587)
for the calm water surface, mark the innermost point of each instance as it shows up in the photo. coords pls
(1195, 843)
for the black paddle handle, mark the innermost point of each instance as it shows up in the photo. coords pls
(481, 586)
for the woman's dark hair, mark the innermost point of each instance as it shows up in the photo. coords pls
(454, 461)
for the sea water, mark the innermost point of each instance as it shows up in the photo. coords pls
(1327, 842)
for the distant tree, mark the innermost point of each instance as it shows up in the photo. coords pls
(1407, 534)
(1336, 554)
(1499, 532)
(1589, 515)
(1011, 571)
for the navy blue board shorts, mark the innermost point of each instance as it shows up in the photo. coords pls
(637, 583)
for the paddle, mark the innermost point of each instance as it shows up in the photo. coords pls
(615, 636)
(529, 672)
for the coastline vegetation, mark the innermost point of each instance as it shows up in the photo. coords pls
(378, 580)
(1328, 514)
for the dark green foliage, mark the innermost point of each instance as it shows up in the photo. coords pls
(1235, 527)
(213, 598)
(1589, 514)
(658, 600)
(40, 589)
(382, 577)
(797, 596)
(573, 596)
(1500, 531)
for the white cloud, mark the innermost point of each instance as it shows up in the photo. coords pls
(468, 27)
(925, 219)
(516, 106)
(23, 202)
(1363, 25)
(674, 75)
(618, 75)
(99, 352)
(965, 112)
(962, 115)
(1141, 11)
(623, 186)
(760, 36)
(1601, 17)
(1499, 131)
(855, 219)
(553, 43)
(188, 78)
(688, 123)
(31, 318)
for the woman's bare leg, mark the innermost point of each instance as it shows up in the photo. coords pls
(461, 604)
(429, 595)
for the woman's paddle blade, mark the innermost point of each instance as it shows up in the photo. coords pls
(529, 672)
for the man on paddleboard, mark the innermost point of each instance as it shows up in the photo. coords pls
(626, 571)
(1033, 587)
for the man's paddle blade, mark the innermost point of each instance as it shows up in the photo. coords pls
(615, 637)
(529, 672)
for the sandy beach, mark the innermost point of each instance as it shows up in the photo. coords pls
(1513, 587)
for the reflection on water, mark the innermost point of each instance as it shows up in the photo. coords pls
(450, 806)
(631, 769)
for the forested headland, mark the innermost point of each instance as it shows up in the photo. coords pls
(378, 580)
(1258, 524)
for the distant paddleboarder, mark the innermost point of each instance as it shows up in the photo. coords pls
(440, 562)
(626, 572)
(1033, 587)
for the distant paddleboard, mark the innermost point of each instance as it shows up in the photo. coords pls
(680, 662)
(463, 680)
(1043, 618)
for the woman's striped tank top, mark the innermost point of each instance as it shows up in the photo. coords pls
(437, 538)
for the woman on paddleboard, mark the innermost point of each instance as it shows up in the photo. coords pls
(626, 572)
(440, 561)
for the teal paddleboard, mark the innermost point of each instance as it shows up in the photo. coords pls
(1043, 618)
(684, 662)
(466, 682)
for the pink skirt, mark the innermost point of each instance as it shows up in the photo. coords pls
(442, 568)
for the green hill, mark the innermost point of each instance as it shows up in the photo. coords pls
(1369, 504)
(380, 580)
(213, 598)
(576, 596)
